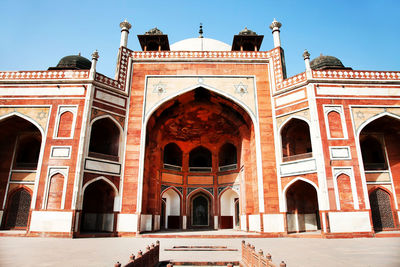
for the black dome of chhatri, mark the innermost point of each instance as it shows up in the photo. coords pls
(246, 31)
(73, 62)
(326, 62)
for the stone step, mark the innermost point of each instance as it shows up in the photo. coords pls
(204, 263)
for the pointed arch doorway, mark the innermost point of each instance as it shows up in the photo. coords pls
(18, 209)
(98, 207)
(302, 208)
(229, 209)
(201, 211)
(381, 210)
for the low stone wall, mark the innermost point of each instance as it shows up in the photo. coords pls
(149, 258)
(251, 258)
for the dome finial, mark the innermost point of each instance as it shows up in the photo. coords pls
(201, 30)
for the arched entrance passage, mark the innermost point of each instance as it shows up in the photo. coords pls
(380, 152)
(381, 210)
(200, 211)
(18, 209)
(229, 208)
(20, 144)
(197, 127)
(98, 207)
(302, 207)
(172, 210)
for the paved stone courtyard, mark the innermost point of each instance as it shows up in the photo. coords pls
(22, 251)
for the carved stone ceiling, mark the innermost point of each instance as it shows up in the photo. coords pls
(198, 121)
(198, 114)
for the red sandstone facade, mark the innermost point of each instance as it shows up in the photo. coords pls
(195, 139)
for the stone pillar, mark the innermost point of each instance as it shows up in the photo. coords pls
(95, 57)
(306, 57)
(125, 26)
(275, 26)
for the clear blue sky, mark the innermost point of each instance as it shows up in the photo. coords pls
(365, 35)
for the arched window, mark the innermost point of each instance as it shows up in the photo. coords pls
(379, 142)
(372, 154)
(227, 157)
(104, 140)
(65, 124)
(296, 141)
(172, 157)
(27, 155)
(200, 160)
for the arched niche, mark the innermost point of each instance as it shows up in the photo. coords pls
(55, 191)
(335, 124)
(65, 124)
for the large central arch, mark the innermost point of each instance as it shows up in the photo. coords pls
(199, 125)
(21, 147)
(380, 156)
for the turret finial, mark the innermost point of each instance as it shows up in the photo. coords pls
(201, 30)
(306, 54)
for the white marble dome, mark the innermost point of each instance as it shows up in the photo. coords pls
(200, 44)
